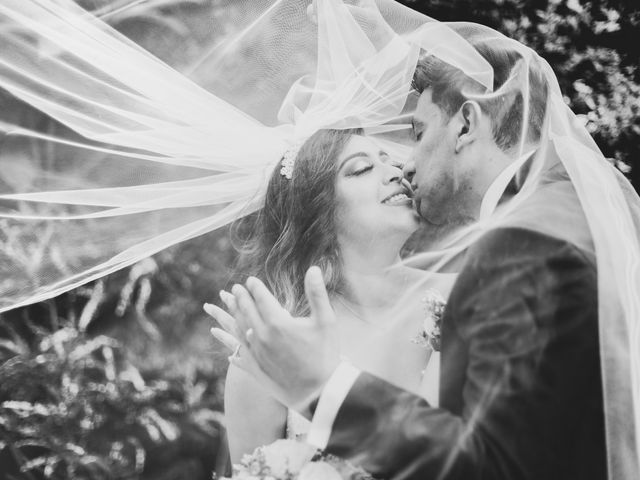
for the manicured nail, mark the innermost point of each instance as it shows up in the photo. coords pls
(225, 296)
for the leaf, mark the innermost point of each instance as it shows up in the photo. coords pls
(16, 405)
(58, 339)
(34, 463)
(77, 449)
(158, 427)
(91, 307)
(13, 347)
(91, 346)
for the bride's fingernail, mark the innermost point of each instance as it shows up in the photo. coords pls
(218, 334)
(224, 296)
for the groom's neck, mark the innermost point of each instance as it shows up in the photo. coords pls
(492, 162)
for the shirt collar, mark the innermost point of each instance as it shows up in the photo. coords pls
(498, 187)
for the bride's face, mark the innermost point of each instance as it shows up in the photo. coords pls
(373, 199)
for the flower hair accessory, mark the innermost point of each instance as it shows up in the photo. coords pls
(289, 158)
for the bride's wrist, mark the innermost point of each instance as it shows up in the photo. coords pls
(307, 407)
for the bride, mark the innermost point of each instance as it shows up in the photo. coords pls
(342, 204)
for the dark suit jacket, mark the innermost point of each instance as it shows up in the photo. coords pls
(521, 394)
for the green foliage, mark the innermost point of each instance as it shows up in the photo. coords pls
(67, 395)
(73, 406)
(119, 379)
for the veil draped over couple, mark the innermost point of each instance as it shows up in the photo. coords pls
(505, 347)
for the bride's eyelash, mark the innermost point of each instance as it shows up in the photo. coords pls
(362, 170)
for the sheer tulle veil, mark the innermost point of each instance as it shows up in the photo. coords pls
(143, 157)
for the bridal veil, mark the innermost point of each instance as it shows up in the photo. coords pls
(140, 156)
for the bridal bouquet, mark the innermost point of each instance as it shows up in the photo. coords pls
(294, 460)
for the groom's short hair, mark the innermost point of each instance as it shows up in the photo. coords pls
(449, 85)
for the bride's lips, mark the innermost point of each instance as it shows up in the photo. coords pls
(401, 196)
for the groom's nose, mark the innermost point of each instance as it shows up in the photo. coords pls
(409, 170)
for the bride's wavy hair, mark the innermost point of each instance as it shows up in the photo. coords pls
(296, 228)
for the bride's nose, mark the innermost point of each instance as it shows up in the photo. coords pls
(393, 174)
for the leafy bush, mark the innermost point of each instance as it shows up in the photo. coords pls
(73, 406)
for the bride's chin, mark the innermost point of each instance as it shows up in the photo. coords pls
(408, 228)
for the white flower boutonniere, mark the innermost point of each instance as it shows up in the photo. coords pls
(434, 305)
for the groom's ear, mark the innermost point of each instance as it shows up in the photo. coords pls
(469, 118)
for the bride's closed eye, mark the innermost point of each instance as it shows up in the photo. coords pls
(359, 167)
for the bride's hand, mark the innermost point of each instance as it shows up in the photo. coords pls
(241, 356)
(298, 355)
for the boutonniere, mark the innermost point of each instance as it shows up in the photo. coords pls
(429, 336)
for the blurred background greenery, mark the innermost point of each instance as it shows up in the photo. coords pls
(120, 379)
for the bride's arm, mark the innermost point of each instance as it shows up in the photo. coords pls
(253, 417)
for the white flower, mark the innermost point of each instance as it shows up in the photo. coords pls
(284, 456)
(319, 471)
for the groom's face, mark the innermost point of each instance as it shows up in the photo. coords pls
(432, 168)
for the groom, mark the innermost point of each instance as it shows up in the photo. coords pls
(521, 394)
